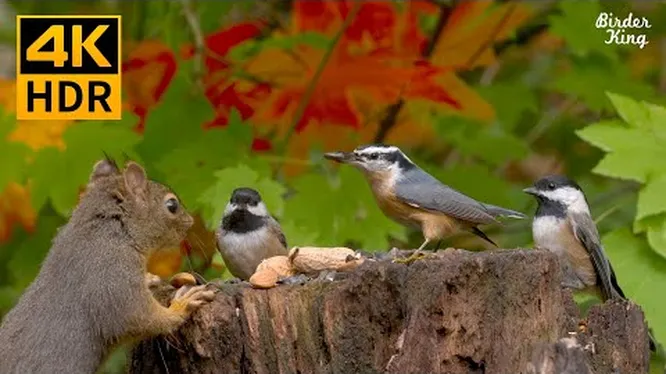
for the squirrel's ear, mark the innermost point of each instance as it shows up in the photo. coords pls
(102, 169)
(135, 178)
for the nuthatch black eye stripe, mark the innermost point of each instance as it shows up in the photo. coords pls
(412, 197)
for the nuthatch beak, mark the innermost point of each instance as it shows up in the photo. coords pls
(341, 157)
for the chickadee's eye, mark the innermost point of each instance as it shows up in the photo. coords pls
(551, 186)
(171, 203)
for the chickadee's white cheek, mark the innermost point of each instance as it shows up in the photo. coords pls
(259, 210)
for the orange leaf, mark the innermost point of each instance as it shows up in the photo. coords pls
(165, 262)
(472, 29)
(147, 71)
(383, 79)
(35, 134)
(15, 209)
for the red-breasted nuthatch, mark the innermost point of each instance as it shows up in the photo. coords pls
(248, 234)
(563, 225)
(412, 197)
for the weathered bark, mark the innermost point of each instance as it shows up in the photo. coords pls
(460, 312)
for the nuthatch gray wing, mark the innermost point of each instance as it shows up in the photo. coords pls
(412, 197)
(248, 234)
(563, 225)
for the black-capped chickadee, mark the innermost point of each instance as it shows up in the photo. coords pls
(563, 225)
(248, 234)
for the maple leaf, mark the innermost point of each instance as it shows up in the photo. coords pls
(15, 209)
(224, 93)
(384, 79)
(33, 133)
(147, 71)
(472, 29)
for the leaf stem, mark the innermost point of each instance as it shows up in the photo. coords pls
(199, 41)
(493, 35)
(548, 119)
(312, 86)
(393, 110)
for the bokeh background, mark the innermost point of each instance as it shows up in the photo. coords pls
(486, 95)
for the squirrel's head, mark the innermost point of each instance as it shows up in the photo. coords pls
(148, 212)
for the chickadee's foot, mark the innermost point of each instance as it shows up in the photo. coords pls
(416, 256)
(234, 281)
(327, 275)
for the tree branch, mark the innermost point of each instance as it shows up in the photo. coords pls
(393, 110)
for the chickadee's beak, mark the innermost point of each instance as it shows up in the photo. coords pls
(342, 157)
(532, 191)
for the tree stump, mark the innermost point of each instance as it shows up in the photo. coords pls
(456, 312)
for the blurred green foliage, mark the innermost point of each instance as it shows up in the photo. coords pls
(578, 109)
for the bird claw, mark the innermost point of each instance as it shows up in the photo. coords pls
(416, 256)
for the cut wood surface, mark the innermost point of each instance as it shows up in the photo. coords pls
(456, 312)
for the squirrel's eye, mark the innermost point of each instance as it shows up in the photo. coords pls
(172, 205)
(551, 186)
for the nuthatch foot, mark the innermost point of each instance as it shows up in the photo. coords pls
(412, 197)
(248, 234)
(563, 225)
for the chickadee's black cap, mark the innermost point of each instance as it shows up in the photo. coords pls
(245, 195)
(553, 182)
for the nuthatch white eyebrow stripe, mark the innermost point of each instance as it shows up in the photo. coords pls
(410, 196)
(248, 234)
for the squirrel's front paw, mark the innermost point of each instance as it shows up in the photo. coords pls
(188, 299)
(152, 280)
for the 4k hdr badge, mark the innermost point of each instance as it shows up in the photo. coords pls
(68, 67)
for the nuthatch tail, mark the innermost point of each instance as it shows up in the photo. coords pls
(248, 234)
(412, 197)
(563, 225)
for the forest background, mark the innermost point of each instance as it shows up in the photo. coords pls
(487, 96)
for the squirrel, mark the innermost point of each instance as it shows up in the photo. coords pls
(92, 291)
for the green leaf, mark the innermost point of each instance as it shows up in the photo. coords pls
(211, 13)
(577, 26)
(651, 198)
(473, 138)
(631, 111)
(13, 155)
(314, 39)
(8, 298)
(632, 151)
(346, 211)
(589, 78)
(639, 272)
(251, 48)
(656, 235)
(59, 175)
(214, 199)
(503, 96)
(178, 118)
(299, 234)
(189, 168)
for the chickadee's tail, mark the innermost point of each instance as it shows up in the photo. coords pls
(653, 342)
(503, 212)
